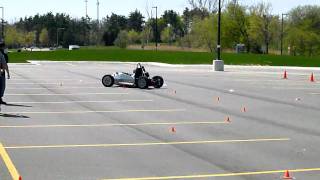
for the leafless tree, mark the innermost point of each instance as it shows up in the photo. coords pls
(147, 28)
(210, 5)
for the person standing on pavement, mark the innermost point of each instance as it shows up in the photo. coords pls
(3, 69)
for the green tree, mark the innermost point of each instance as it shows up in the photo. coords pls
(44, 37)
(122, 39)
(113, 25)
(135, 21)
(303, 34)
(204, 33)
(172, 19)
(29, 38)
(166, 35)
(12, 37)
(302, 42)
(134, 37)
(235, 26)
(146, 35)
(258, 30)
(186, 21)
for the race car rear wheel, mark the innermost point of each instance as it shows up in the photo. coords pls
(157, 81)
(108, 80)
(142, 82)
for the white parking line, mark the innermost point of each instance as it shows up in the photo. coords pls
(47, 79)
(67, 94)
(271, 81)
(54, 83)
(102, 111)
(63, 87)
(114, 125)
(71, 102)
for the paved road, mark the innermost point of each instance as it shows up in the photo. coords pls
(62, 124)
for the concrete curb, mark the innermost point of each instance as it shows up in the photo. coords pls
(180, 65)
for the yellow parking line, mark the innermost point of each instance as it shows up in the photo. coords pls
(110, 111)
(12, 169)
(110, 125)
(147, 144)
(219, 175)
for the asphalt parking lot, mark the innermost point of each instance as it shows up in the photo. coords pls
(243, 124)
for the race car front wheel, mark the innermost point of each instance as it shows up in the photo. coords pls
(157, 81)
(142, 82)
(108, 80)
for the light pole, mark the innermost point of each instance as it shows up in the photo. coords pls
(86, 1)
(156, 7)
(218, 63)
(219, 32)
(2, 22)
(98, 12)
(58, 36)
(282, 32)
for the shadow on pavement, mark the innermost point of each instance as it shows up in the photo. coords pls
(16, 105)
(13, 116)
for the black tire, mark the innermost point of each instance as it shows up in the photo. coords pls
(108, 80)
(157, 81)
(142, 82)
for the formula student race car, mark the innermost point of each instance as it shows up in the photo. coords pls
(140, 78)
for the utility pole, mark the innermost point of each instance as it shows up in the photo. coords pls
(98, 12)
(86, 1)
(282, 32)
(87, 21)
(156, 7)
(218, 63)
(98, 24)
(219, 32)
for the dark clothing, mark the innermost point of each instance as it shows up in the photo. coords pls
(2, 75)
(6, 57)
(2, 85)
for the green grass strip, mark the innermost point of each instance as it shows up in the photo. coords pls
(171, 57)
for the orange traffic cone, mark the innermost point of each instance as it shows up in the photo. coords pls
(312, 79)
(287, 175)
(228, 120)
(285, 76)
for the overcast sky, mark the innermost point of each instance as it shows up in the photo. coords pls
(14, 9)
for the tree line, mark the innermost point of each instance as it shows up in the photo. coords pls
(255, 27)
